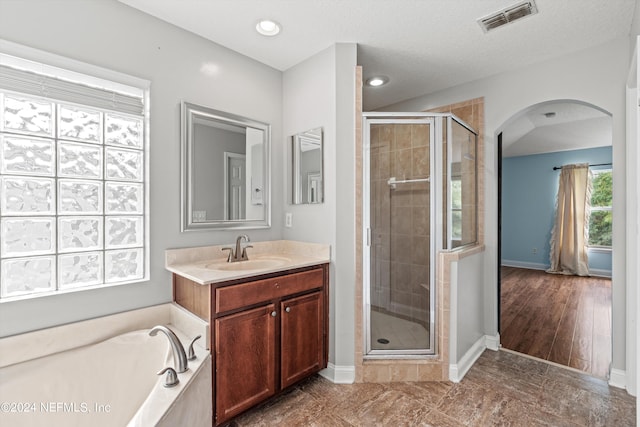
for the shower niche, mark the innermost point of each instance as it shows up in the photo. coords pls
(420, 198)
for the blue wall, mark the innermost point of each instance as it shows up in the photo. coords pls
(529, 189)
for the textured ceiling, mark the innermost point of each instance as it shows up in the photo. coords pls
(422, 45)
(573, 126)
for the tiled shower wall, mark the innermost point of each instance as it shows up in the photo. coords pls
(400, 220)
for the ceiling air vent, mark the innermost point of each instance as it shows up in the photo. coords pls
(508, 15)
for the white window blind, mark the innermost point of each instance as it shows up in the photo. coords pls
(28, 82)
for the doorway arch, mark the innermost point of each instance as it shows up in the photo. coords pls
(563, 131)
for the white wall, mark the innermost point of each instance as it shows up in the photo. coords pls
(309, 98)
(633, 195)
(321, 92)
(466, 329)
(345, 213)
(633, 210)
(467, 309)
(180, 66)
(596, 76)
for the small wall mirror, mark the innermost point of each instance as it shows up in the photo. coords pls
(307, 154)
(225, 170)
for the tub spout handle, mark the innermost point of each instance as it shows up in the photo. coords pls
(171, 380)
(191, 354)
(179, 355)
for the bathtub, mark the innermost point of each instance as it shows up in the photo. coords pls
(110, 381)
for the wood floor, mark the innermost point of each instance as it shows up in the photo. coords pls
(563, 319)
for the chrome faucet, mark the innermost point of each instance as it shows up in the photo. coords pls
(240, 253)
(179, 356)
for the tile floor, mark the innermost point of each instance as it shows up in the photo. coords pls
(502, 388)
(401, 334)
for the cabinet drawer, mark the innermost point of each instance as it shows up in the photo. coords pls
(246, 294)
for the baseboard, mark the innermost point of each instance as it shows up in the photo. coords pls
(492, 342)
(524, 264)
(339, 374)
(459, 370)
(618, 378)
(599, 273)
(537, 266)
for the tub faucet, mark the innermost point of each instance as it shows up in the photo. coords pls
(179, 356)
(240, 253)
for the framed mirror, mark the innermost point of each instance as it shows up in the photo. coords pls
(307, 172)
(225, 162)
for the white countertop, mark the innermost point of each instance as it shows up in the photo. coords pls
(208, 264)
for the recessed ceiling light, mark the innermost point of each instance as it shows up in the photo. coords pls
(377, 81)
(269, 28)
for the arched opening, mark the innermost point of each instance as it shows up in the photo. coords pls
(559, 318)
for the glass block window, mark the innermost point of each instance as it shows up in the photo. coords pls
(72, 193)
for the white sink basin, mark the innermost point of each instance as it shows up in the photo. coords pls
(262, 263)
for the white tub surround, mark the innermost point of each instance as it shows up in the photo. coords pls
(206, 265)
(102, 372)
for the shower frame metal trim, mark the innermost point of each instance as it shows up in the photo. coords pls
(435, 224)
(448, 202)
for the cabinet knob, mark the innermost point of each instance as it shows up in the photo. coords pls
(273, 313)
(288, 309)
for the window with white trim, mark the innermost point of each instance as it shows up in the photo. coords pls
(601, 215)
(72, 180)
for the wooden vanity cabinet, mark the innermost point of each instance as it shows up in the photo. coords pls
(245, 357)
(267, 333)
(301, 337)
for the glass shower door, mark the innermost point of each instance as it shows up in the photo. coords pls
(398, 168)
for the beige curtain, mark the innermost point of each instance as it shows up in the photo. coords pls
(570, 230)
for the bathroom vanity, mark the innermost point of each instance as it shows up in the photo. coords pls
(268, 317)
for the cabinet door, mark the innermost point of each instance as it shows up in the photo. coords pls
(301, 337)
(245, 346)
